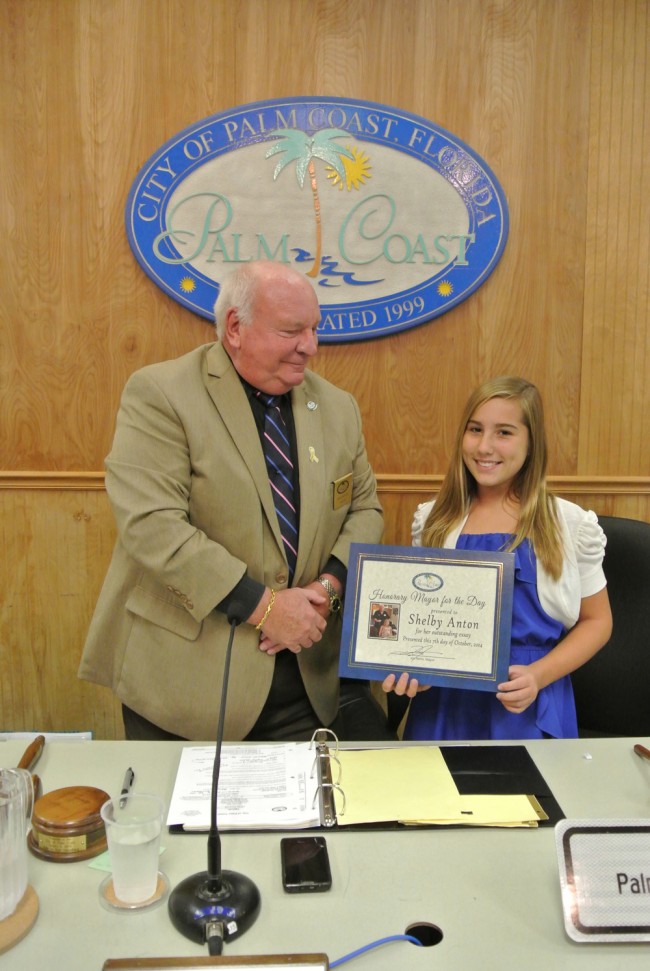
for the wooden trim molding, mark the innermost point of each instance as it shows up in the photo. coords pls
(62, 481)
(566, 484)
(387, 483)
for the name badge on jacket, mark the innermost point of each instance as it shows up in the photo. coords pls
(342, 495)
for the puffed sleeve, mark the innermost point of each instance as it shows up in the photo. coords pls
(419, 519)
(589, 542)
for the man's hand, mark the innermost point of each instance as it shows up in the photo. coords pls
(296, 620)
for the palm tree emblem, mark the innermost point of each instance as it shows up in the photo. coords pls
(301, 148)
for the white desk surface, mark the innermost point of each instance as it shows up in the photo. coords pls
(494, 894)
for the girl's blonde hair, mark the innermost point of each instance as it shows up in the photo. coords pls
(537, 516)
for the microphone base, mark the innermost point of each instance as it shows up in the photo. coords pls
(193, 906)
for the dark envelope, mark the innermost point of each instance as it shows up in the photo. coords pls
(500, 770)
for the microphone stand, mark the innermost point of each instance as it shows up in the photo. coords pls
(216, 905)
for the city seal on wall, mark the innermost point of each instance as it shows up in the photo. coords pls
(393, 219)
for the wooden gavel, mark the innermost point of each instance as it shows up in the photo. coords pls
(30, 757)
(66, 823)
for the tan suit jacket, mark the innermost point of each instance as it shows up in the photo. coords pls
(187, 481)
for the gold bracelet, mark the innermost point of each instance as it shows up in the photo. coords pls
(268, 610)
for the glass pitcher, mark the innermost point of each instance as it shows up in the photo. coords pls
(16, 804)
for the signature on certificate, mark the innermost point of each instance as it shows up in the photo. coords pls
(424, 650)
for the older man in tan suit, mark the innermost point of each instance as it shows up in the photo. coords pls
(199, 539)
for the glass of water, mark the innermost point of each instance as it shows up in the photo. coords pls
(133, 827)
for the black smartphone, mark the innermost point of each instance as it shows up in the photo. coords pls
(305, 864)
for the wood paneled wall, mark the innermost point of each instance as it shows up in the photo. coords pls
(553, 94)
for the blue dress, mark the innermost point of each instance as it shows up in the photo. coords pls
(459, 713)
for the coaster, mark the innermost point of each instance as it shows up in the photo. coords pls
(14, 927)
(109, 901)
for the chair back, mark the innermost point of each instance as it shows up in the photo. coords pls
(612, 690)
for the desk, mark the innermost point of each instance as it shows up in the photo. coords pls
(494, 894)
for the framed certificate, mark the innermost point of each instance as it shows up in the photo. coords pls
(442, 615)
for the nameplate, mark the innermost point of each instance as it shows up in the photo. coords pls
(604, 869)
(270, 962)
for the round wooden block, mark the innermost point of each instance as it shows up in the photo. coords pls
(14, 927)
(67, 825)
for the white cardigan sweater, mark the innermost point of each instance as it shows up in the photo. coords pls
(582, 574)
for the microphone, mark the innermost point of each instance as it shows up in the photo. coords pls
(216, 905)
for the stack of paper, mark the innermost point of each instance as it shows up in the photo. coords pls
(271, 786)
(413, 785)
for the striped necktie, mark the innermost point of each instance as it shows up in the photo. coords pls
(277, 452)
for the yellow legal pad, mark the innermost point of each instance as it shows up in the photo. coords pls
(413, 785)
(503, 811)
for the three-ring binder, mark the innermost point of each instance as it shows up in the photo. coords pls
(327, 787)
(303, 787)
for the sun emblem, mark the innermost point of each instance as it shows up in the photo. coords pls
(188, 285)
(357, 171)
(445, 289)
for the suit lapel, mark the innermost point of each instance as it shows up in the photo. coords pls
(310, 444)
(224, 387)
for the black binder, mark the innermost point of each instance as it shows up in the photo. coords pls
(500, 770)
(475, 770)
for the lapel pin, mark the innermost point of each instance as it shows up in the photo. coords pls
(312, 454)
(312, 405)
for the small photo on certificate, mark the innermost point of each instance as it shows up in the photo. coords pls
(442, 615)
